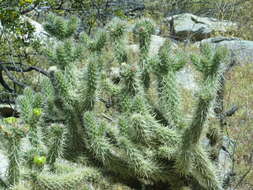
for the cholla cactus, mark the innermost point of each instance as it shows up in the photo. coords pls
(60, 27)
(165, 69)
(13, 133)
(115, 126)
(117, 33)
(143, 30)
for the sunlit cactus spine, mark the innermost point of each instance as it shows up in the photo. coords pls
(96, 43)
(92, 80)
(71, 181)
(64, 53)
(56, 146)
(117, 33)
(30, 106)
(143, 31)
(166, 67)
(64, 104)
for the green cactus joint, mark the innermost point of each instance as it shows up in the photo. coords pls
(37, 112)
(10, 120)
(39, 160)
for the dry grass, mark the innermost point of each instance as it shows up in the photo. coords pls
(239, 91)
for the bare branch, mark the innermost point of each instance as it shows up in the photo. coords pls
(231, 112)
(13, 67)
(17, 67)
(3, 83)
(30, 9)
(11, 77)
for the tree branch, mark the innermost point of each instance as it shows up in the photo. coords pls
(31, 68)
(28, 10)
(7, 101)
(13, 67)
(17, 67)
(3, 83)
(13, 79)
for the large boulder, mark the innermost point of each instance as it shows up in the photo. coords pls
(225, 160)
(187, 80)
(3, 165)
(156, 43)
(39, 32)
(240, 49)
(191, 27)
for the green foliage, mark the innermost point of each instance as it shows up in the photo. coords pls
(18, 44)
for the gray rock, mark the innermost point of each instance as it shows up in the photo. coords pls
(191, 27)
(39, 31)
(186, 79)
(134, 48)
(4, 162)
(3, 165)
(241, 49)
(155, 44)
(225, 162)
